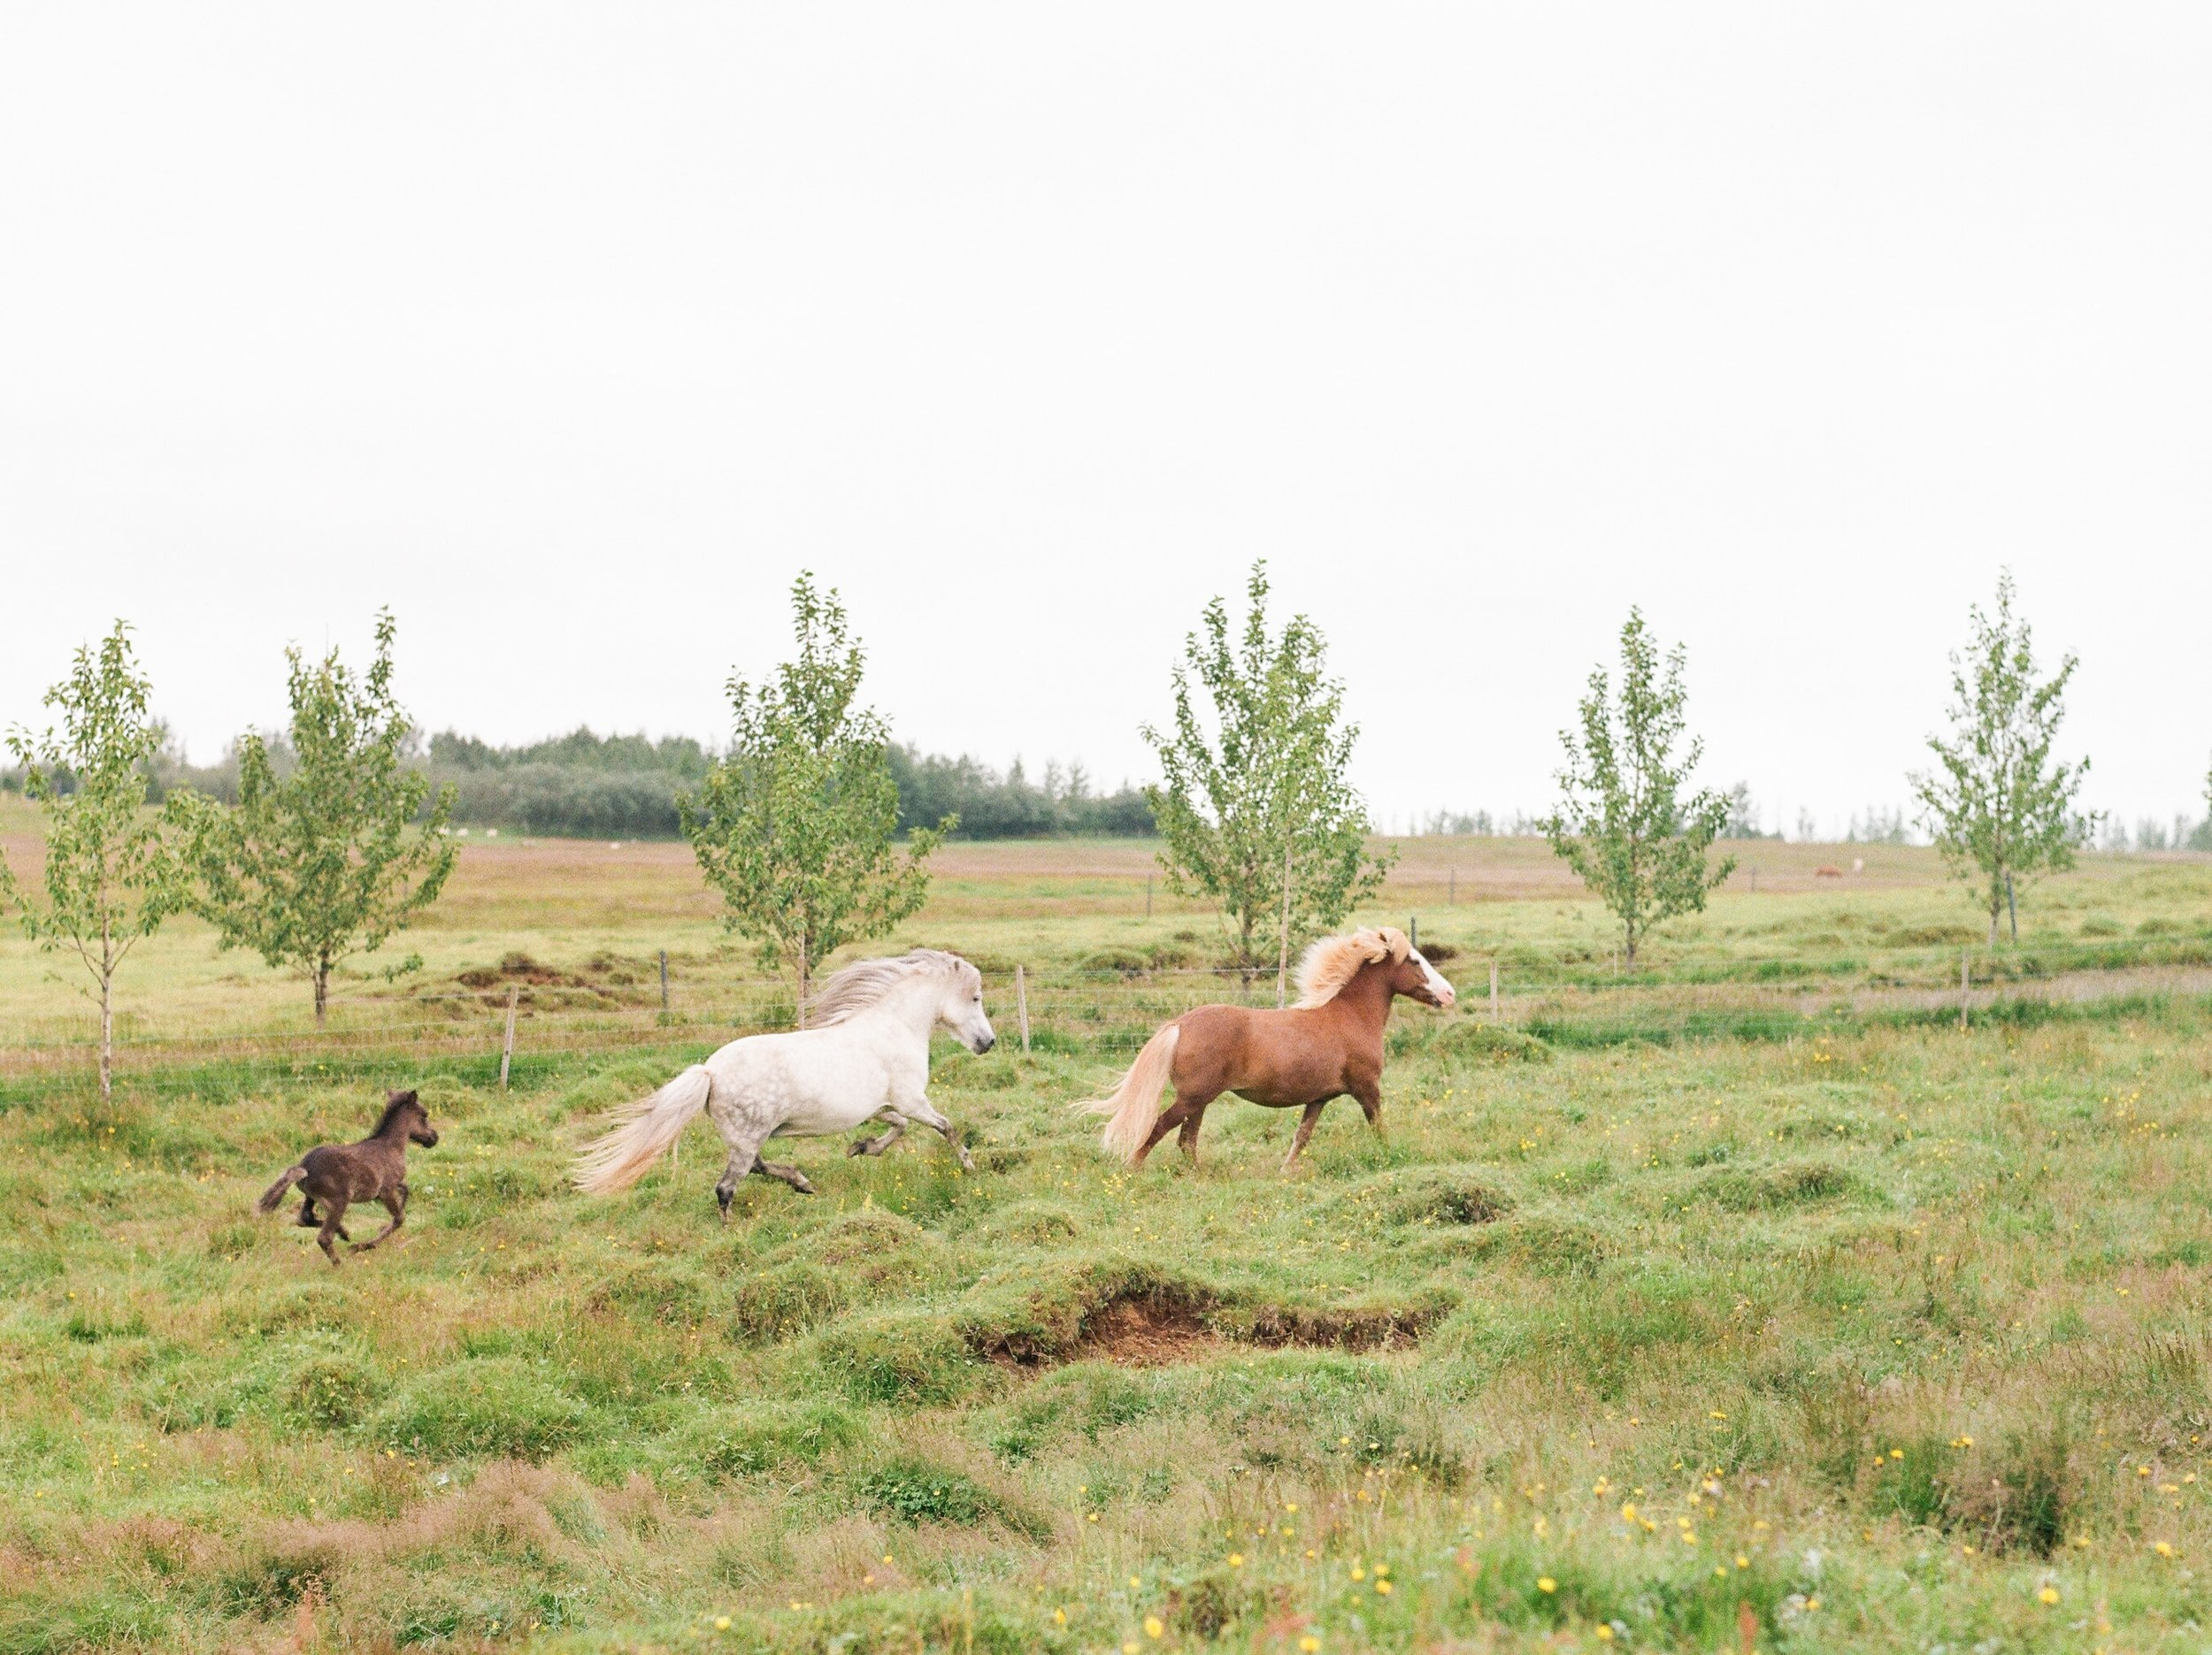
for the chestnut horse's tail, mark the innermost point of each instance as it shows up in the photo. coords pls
(649, 1126)
(1132, 1109)
(273, 1197)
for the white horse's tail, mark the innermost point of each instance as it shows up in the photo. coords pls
(1132, 1109)
(648, 1127)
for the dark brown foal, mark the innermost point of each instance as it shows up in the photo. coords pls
(374, 1169)
(1328, 1044)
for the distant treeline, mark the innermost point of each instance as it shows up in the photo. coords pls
(584, 785)
(588, 786)
(992, 804)
(580, 786)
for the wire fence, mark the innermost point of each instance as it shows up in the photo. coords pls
(1588, 999)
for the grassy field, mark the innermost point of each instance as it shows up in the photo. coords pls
(577, 926)
(1860, 1334)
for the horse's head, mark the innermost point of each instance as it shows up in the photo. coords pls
(1416, 978)
(961, 1010)
(404, 1107)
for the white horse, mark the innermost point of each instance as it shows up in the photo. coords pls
(866, 1057)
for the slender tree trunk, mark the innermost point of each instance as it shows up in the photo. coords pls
(805, 982)
(107, 1033)
(1996, 907)
(322, 991)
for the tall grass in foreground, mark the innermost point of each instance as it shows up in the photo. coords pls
(1892, 1337)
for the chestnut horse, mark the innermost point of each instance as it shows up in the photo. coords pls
(1329, 1044)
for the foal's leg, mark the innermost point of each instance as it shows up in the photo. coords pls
(892, 1118)
(309, 1217)
(921, 1109)
(334, 1210)
(1305, 1131)
(395, 1201)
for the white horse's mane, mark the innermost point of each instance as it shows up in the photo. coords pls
(1332, 961)
(845, 994)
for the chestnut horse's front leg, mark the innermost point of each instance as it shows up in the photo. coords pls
(1305, 1131)
(1370, 1096)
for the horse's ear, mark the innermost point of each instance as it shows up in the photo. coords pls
(400, 1097)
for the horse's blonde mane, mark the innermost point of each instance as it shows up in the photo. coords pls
(1332, 961)
(845, 994)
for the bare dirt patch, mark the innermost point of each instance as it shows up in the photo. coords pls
(1147, 1333)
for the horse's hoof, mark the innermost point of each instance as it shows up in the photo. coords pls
(804, 1187)
(858, 1147)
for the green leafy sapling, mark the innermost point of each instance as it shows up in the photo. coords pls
(794, 826)
(1625, 822)
(112, 870)
(327, 858)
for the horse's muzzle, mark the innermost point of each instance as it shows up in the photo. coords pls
(985, 1044)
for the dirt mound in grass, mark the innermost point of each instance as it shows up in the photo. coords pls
(1105, 1315)
(1131, 1314)
(1144, 1333)
(605, 980)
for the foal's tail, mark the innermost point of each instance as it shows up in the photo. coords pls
(273, 1197)
(1132, 1109)
(648, 1127)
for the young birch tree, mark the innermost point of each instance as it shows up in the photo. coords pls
(1998, 807)
(113, 873)
(1263, 794)
(1622, 823)
(794, 826)
(328, 858)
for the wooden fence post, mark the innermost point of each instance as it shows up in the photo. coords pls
(507, 1047)
(1021, 1004)
(1965, 986)
(663, 982)
(1493, 991)
(1413, 932)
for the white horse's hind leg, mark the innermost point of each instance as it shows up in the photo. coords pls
(891, 1118)
(921, 1109)
(791, 1176)
(745, 1125)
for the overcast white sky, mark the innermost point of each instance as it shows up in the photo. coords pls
(571, 332)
